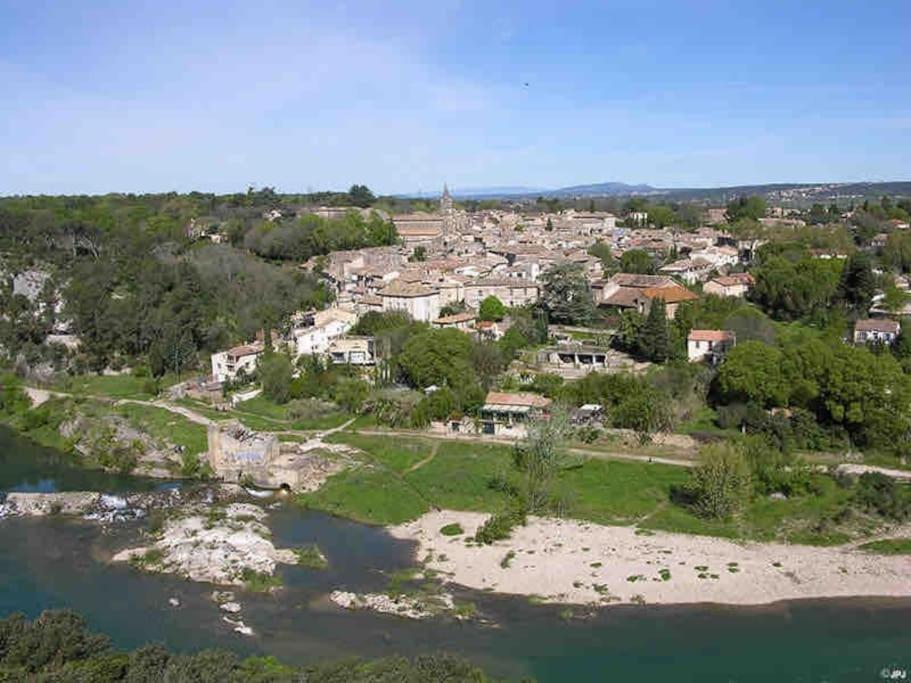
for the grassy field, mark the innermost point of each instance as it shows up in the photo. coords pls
(889, 546)
(166, 426)
(261, 413)
(405, 476)
(113, 386)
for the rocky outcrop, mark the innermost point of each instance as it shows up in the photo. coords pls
(41, 504)
(226, 546)
(400, 605)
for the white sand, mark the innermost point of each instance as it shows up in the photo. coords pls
(557, 560)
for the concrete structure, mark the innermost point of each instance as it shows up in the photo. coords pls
(420, 302)
(227, 365)
(737, 284)
(876, 330)
(505, 414)
(709, 346)
(236, 452)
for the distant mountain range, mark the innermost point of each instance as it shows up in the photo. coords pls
(796, 192)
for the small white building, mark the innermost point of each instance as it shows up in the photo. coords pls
(709, 345)
(227, 365)
(505, 414)
(327, 326)
(422, 303)
(878, 330)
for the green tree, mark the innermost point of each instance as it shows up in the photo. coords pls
(720, 483)
(661, 215)
(491, 308)
(275, 372)
(752, 371)
(857, 284)
(538, 457)
(566, 295)
(361, 196)
(637, 261)
(419, 254)
(437, 357)
(753, 207)
(654, 338)
(601, 250)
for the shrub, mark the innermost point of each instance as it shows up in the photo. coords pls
(720, 484)
(453, 529)
(880, 494)
(305, 409)
(311, 557)
(499, 525)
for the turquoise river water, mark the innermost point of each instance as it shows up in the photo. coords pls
(54, 562)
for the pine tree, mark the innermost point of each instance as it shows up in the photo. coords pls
(654, 338)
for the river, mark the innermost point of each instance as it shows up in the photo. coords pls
(54, 562)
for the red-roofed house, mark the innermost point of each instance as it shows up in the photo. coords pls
(505, 414)
(878, 330)
(709, 345)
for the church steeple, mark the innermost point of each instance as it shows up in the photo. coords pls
(446, 200)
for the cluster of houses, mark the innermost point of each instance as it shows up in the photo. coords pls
(454, 260)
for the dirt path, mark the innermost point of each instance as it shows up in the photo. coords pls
(600, 455)
(421, 463)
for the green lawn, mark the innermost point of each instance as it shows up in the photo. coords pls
(614, 491)
(262, 414)
(889, 546)
(166, 426)
(459, 476)
(396, 454)
(367, 494)
(113, 386)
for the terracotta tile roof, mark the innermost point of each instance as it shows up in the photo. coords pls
(734, 279)
(625, 297)
(463, 317)
(409, 289)
(641, 281)
(711, 335)
(670, 295)
(877, 325)
(517, 399)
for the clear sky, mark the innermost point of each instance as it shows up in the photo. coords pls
(163, 95)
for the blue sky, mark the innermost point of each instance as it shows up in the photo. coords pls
(157, 96)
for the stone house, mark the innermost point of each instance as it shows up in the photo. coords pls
(504, 414)
(422, 303)
(736, 284)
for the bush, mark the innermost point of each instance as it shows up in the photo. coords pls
(454, 529)
(499, 525)
(720, 484)
(880, 494)
(305, 409)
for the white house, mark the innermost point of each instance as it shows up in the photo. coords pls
(327, 326)
(226, 365)
(353, 351)
(420, 302)
(709, 345)
(690, 271)
(879, 330)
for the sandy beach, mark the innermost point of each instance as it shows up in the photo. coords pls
(575, 562)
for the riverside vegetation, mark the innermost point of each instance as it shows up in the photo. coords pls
(58, 646)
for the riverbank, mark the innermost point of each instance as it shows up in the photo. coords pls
(564, 561)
